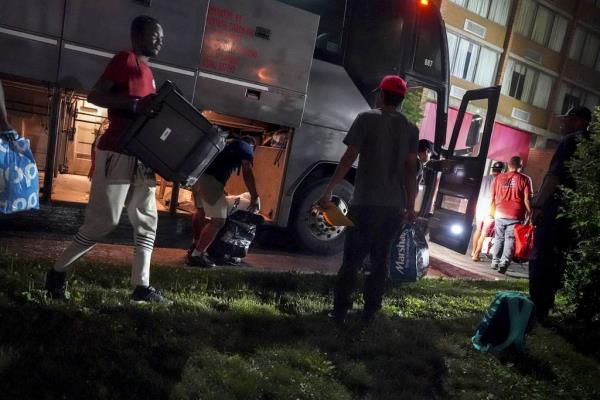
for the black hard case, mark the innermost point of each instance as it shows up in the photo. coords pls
(173, 138)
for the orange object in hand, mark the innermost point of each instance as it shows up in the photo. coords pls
(334, 216)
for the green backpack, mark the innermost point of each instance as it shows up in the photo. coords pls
(506, 322)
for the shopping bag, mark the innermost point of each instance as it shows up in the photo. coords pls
(18, 174)
(523, 242)
(235, 238)
(409, 260)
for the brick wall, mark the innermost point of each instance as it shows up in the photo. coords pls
(537, 165)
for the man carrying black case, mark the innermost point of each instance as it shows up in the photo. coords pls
(119, 179)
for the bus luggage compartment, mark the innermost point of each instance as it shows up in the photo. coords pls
(173, 138)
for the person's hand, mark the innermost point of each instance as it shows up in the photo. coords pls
(140, 106)
(326, 198)
(254, 206)
(409, 217)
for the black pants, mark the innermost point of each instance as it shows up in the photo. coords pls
(374, 231)
(553, 239)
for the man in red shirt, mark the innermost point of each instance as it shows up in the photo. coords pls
(511, 194)
(119, 179)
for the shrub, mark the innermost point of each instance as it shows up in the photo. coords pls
(582, 279)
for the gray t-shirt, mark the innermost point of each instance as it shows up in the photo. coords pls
(384, 139)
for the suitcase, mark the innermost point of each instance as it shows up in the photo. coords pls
(173, 138)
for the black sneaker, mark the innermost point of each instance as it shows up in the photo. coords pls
(148, 294)
(502, 268)
(232, 261)
(202, 261)
(56, 284)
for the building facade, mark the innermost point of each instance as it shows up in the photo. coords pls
(544, 53)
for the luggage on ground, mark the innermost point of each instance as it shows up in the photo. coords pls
(409, 260)
(19, 189)
(523, 242)
(173, 138)
(505, 323)
(234, 239)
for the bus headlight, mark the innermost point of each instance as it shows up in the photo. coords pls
(456, 229)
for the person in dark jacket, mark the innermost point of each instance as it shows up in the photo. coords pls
(553, 236)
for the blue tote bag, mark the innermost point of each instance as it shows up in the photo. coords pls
(18, 174)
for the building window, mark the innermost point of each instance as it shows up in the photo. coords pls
(572, 96)
(527, 84)
(470, 61)
(586, 48)
(494, 10)
(548, 28)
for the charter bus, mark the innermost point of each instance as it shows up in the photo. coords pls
(293, 73)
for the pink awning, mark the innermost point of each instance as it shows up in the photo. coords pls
(508, 142)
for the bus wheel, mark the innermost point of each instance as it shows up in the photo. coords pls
(311, 230)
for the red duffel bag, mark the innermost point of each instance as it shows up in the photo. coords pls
(523, 242)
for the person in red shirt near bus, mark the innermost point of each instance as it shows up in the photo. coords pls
(119, 179)
(511, 194)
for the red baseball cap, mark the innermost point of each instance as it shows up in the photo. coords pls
(393, 84)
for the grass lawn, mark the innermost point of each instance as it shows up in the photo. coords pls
(235, 334)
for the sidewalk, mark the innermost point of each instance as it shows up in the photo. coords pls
(258, 259)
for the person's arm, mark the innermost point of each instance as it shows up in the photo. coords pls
(493, 198)
(410, 184)
(4, 125)
(341, 171)
(250, 181)
(103, 95)
(118, 72)
(528, 197)
(548, 188)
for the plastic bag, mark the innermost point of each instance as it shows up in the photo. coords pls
(409, 259)
(239, 202)
(235, 238)
(18, 174)
(523, 242)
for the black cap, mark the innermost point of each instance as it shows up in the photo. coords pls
(580, 112)
(425, 144)
(498, 165)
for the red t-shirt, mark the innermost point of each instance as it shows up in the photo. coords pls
(132, 78)
(509, 193)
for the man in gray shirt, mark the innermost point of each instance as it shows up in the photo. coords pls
(384, 194)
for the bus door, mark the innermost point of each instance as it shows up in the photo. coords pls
(455, 204)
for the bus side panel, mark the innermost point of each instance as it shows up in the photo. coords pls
(29, 33)
(333, 103)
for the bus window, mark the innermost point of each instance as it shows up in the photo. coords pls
(471, 132)
(430, 42)
(328, 46)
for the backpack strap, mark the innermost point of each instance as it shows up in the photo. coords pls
(519, 319)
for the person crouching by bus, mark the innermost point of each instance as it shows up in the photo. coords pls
(384, 194)
(119, 179)
(483, 220)
(209, 196)
(511, 202)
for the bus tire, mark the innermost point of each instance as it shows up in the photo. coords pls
(312, 233)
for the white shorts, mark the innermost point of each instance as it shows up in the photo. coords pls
(209, 194)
